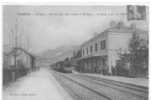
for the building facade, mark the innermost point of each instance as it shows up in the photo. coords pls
(16, 63)
(22, 58)
(100, 53)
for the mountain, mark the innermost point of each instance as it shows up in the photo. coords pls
(58, 54)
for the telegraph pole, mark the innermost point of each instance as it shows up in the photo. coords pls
(15, 52)
(16, 41)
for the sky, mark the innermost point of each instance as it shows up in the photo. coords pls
(48, 27)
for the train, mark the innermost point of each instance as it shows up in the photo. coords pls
(65, 66)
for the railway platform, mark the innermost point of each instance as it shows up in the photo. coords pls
(143, 82)
(38, 85)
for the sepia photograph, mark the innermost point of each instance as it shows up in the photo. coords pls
(75, 52)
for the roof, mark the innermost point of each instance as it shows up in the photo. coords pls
(122, 29)
(12, 50)
(25, 51)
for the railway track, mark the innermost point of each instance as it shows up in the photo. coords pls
(98, 93)
(105, 97)
(135, 92)
(130, 89)
(120, 84)
(67, 88)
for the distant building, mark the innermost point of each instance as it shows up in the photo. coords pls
(100, 53)
(23, 58)
(16, 63)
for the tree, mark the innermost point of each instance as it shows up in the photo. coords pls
(136, 61)
(138, 54)
(122, 66)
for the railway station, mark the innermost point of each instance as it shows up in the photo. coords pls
(75, 52)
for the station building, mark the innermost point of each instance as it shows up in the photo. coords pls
(100, 53)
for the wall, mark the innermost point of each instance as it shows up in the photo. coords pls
(117, 42)
(99, 52)
(25, 59)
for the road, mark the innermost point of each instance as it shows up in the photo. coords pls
(83, 87)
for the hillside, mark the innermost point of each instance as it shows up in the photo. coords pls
(58, 54)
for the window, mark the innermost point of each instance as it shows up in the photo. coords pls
(96, 47)
(104, 61)
(87, 50)
(91, 48)
(83, 51)
(103, 44)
